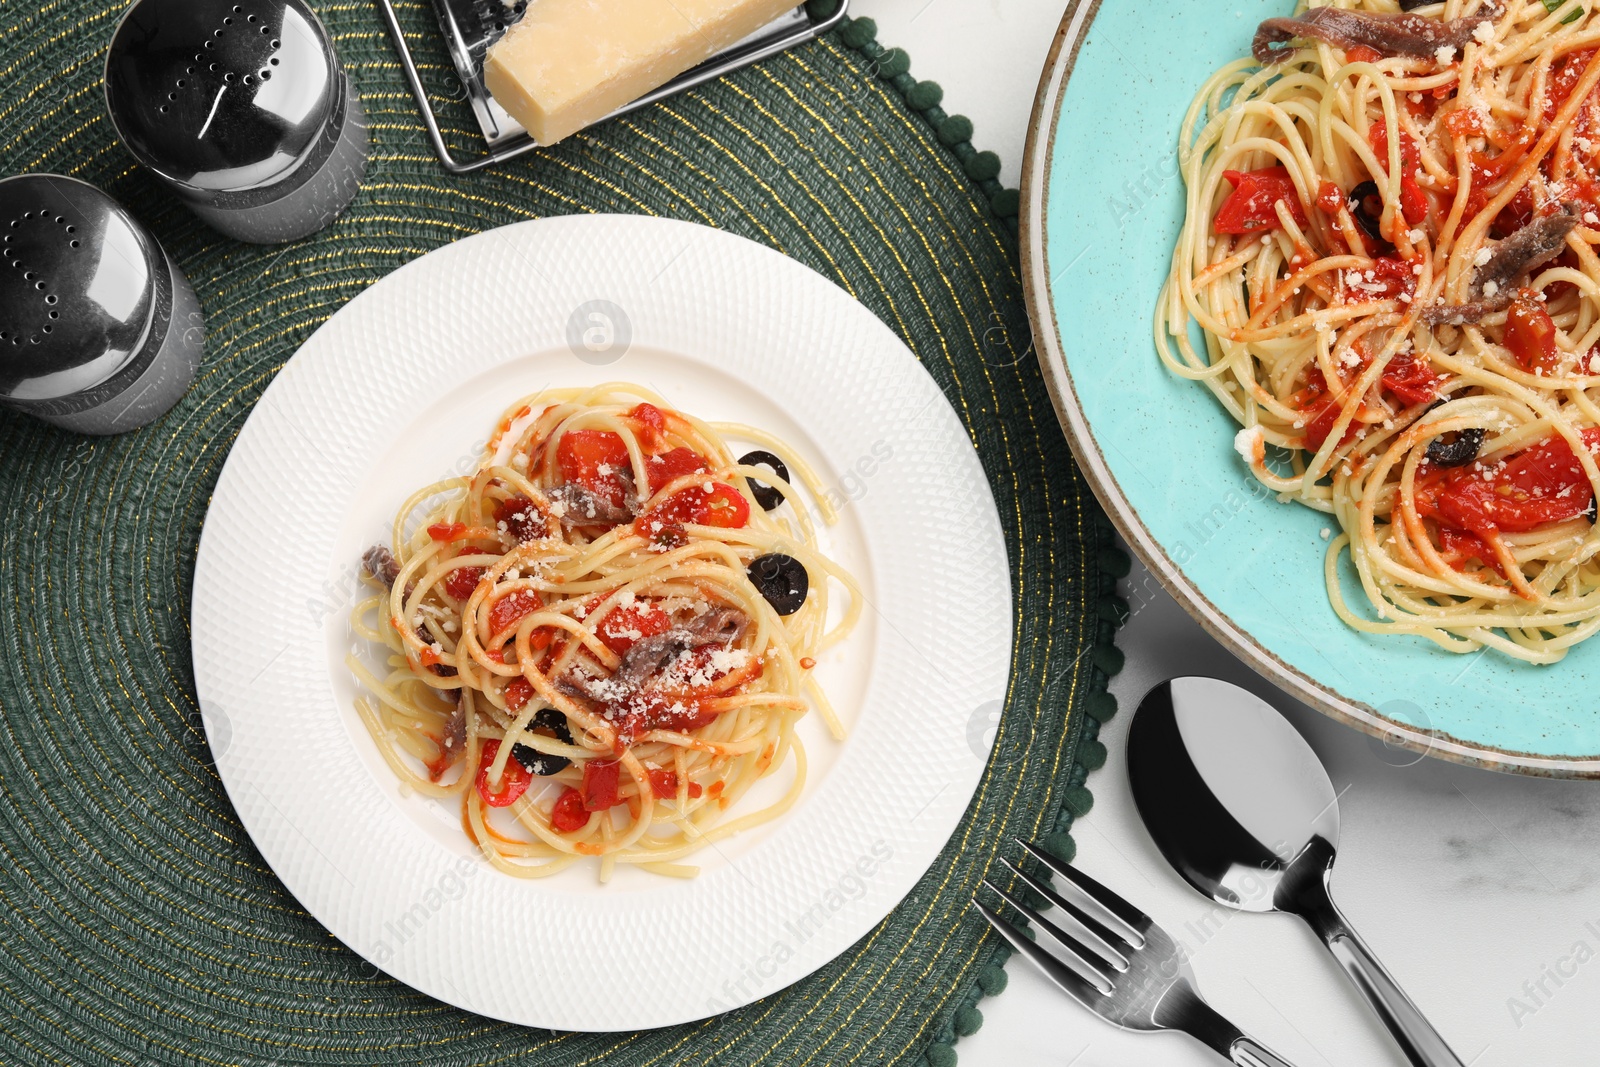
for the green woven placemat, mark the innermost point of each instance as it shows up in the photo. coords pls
(137, 922)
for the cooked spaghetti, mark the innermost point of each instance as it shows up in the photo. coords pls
(1388, 250)
(604, 637)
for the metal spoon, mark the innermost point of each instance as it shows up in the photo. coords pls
(1241, 807)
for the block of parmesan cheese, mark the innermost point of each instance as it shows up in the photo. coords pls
(570, 63)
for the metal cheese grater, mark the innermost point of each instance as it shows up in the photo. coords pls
(471, 26)
(242, 108)
(99, 330)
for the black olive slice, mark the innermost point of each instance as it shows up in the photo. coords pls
(782, 580)
(765, 495)
(1463, 450)
(1412, 5)
(1362, 201)
(540, 763)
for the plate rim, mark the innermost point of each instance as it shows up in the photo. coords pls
(914, 853)
(1038, 157)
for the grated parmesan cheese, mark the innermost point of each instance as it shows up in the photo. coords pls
(1246, 442)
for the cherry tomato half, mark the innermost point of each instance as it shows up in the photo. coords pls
(568, 814)
(596, 460)
(623, 626)
(599, 787)
(460, 582)
(1251, 207)
(514, 778)
(1541, 484)
(664, 784)
(669, 465)
(511, 607)
(1531, 334)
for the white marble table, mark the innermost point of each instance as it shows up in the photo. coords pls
(1480, 891)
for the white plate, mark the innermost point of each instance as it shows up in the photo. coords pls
(400, 388)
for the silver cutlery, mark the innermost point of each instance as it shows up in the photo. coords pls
(1243, 809)
(1117, 962)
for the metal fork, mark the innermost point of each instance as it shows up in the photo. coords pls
(1119, 964)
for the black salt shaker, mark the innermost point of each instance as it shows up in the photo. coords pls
(242, 109)
(99, 330)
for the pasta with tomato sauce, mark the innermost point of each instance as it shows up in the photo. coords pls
(1389, 253)
(604, 637)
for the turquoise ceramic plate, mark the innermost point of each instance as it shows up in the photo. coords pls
(1102, 203)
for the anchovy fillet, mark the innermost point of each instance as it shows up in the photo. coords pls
(1389, 35)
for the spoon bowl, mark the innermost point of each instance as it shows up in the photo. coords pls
(1242, 808)
(1196, 757)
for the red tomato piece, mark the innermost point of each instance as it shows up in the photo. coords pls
(1321, 423)
(600, 785)
(460, 582)
(1464, 122)
(518, 692)
(447, 531)
(568, 814)
(690, 719)
(1458, 546)
(1541, 484)
(623, 626)
(1517, 214)
(1378, 137)
(511, 607)
(1250, 207)
(1411, 380)
(652, 426)
(656, 712)
(514, 778)
(1330, 198)
(523, 518)
(1395, 276)
(1360, 53)
(675, 464)
(1531, 335)
(1413, 204)
(596, 460)
(664, 784)
(1514, 215)
(722, 506)
(725, 507)
(1564, 78)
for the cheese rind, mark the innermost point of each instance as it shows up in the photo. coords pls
(570, 63)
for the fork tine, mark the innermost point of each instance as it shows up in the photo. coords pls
(1098, 937)
(1065, 979)
(1127, 917)
(1077, 957)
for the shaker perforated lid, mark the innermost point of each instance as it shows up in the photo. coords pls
(79, 285)
(221, 95)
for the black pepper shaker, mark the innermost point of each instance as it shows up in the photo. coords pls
(99, 330)
(242, 109)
